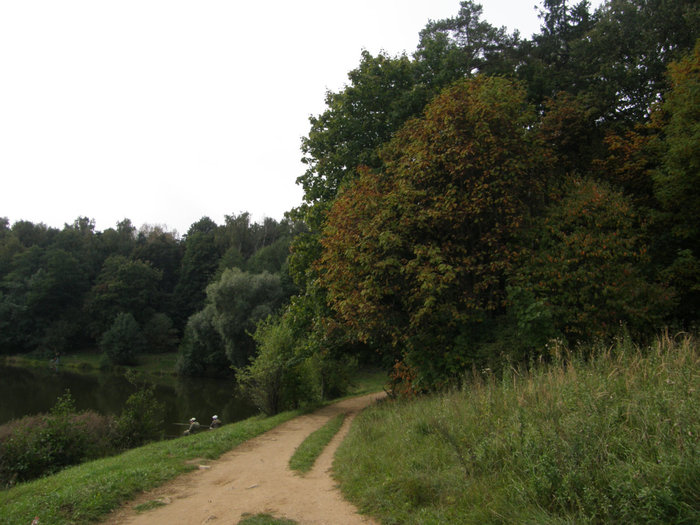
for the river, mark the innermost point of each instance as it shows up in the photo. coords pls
(28, 391)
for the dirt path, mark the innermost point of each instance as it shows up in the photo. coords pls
(255, 478)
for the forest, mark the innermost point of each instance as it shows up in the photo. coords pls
(464, 207)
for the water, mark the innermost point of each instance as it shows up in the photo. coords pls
(28, 391)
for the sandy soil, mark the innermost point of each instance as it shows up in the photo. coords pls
(255, 478)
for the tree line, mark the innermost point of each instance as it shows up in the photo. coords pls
(126, 290)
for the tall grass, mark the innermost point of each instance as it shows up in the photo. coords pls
(609, 438)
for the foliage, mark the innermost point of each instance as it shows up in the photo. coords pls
(586, 259)
(610, 436)
(141, 418)
(61, 289)
(35, 446)
(123, 341)
(462, 47)
(414, 254)
(123, 286)
(624, 57)
(219, 336)
(240, 300)
(277, 378)
(201, 349)
(677, 180)
(159, 334)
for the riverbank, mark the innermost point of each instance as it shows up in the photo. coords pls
(161, 365)
(85, 493)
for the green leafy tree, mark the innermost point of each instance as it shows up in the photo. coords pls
(555, 59)
(201, 350)
(220, 335)
(277, 377)
(141, 419)
(677, 180)
(624, 57)
(123, 285)
(160, 334)
(123, 342)
(199, 264)
(240, 300)
(163, 250)
(461, 47)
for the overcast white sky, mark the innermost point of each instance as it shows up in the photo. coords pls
(166, 111)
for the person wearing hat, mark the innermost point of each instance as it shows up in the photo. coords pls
(194, 426)
(215, 422)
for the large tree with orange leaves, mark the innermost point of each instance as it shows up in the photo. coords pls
(415, 257)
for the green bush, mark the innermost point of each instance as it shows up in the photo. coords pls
(34, 446)
(277, 378)
(141, 418)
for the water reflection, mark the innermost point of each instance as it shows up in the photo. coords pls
(27, 391)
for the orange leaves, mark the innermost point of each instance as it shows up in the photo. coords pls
(414, 252)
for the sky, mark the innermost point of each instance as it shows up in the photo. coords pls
(166, 111)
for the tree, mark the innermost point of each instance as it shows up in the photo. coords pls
(276, 378)
(586, 260)
(199, 264)
(626, 54)
(240, 300)
(202, 349)
(677, 181)
(462, 47)
(418, 253)
(123, 285)
(123, 341)
(220, 335)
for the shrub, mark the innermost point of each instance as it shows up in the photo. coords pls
(34, 446)
(277, 378)
(142, 417)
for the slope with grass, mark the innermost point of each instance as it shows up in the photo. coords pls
(84, 493)
(613, 438)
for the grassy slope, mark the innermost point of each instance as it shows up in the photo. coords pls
(612, 440)
(83, 493)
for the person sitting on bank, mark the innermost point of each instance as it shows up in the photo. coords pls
(215, 422)
(194, 426)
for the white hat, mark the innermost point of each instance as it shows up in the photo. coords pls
(193, 419)
(215, 417)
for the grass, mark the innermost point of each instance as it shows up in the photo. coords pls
(306, 454)
(149, 505)
(87, 362)
(369, 380)
(84, 493)
(613, 438)
(265, 519)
